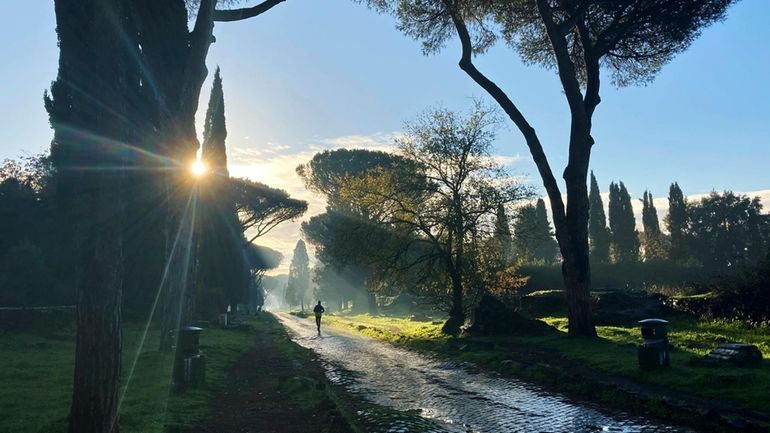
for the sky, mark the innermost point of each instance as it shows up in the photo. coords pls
(317, 74)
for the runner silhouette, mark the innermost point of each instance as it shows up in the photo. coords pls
(318, 310)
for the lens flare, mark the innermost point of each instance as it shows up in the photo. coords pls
(199, 168)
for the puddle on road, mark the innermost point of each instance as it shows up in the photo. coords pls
(448, 396)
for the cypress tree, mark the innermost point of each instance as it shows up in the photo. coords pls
(653, 238)
(503, 234)
(222, 258)
(598, 234)
(213, 150)
(677, 223)
(298, 284)
(623, 235)
(533, 238)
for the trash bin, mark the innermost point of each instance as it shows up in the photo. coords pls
(189, 365)
(653, 352)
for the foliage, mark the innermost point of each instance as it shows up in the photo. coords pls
(533, 238)
(744, 297)
(502, 234)
(26, 280)
(298, 288)
(630, 40)
(215, 130)
(599, 235)
(261, 208)
(623, 235)
(654, 276)
(653, 240)
(449, 203)
(677, 223)
(726, 230)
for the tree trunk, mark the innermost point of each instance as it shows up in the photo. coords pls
(456, 312)
(372, 303)
(89, 131)
(573, 242)
(576, 268)
(98, 342)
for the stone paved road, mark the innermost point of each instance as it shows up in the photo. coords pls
(454, 397)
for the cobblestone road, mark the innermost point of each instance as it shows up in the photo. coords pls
(452, 396)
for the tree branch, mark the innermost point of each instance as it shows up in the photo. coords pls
(530, 136)
(226, 15)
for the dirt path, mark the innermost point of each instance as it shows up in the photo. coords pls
(271, 390)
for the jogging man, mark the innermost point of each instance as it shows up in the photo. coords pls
(318, 310)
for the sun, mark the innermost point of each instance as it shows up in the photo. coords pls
(199, 168)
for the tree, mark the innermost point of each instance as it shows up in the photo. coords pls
(298, 289)
(143, 70)
(260, 260)
(91, 201)
(652, 238)
(502, 234)
(349, 241)
(533, 238)
(623, 235)
(223, 264)
(576, 38)
(261, 208)
(454, 206)
(598, 234)
(726, 231)
(677, 222)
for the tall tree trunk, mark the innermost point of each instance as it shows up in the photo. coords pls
(456, 311)
(88, 111)
(571, 224)
(576, 268)
(372, 302)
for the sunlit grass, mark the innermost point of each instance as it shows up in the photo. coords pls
(37, 379)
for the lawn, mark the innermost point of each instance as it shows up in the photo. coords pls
(37, 374)
(614, 352)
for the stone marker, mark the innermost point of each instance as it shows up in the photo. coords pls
(737, 353)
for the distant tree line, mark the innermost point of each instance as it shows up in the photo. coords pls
(721, 231)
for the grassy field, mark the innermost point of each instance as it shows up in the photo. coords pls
(614, 352)
(37, 376)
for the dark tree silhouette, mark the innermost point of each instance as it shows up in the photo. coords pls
(533, 237)
(130, 74)
(222, 259)
(502, 234)
(677, 223)
(632, 40)
(261, 208)
(85, 125)
(623, 235)
(298, 285)
(726, 230)
(598, 234)
(652, 238)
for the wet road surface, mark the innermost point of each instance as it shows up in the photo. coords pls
(453, 397)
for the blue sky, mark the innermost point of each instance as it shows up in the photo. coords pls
(313, 74)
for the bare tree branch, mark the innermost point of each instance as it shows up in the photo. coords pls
(226, 15)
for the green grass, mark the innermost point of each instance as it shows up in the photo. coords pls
(614, 352)
(37, 379)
